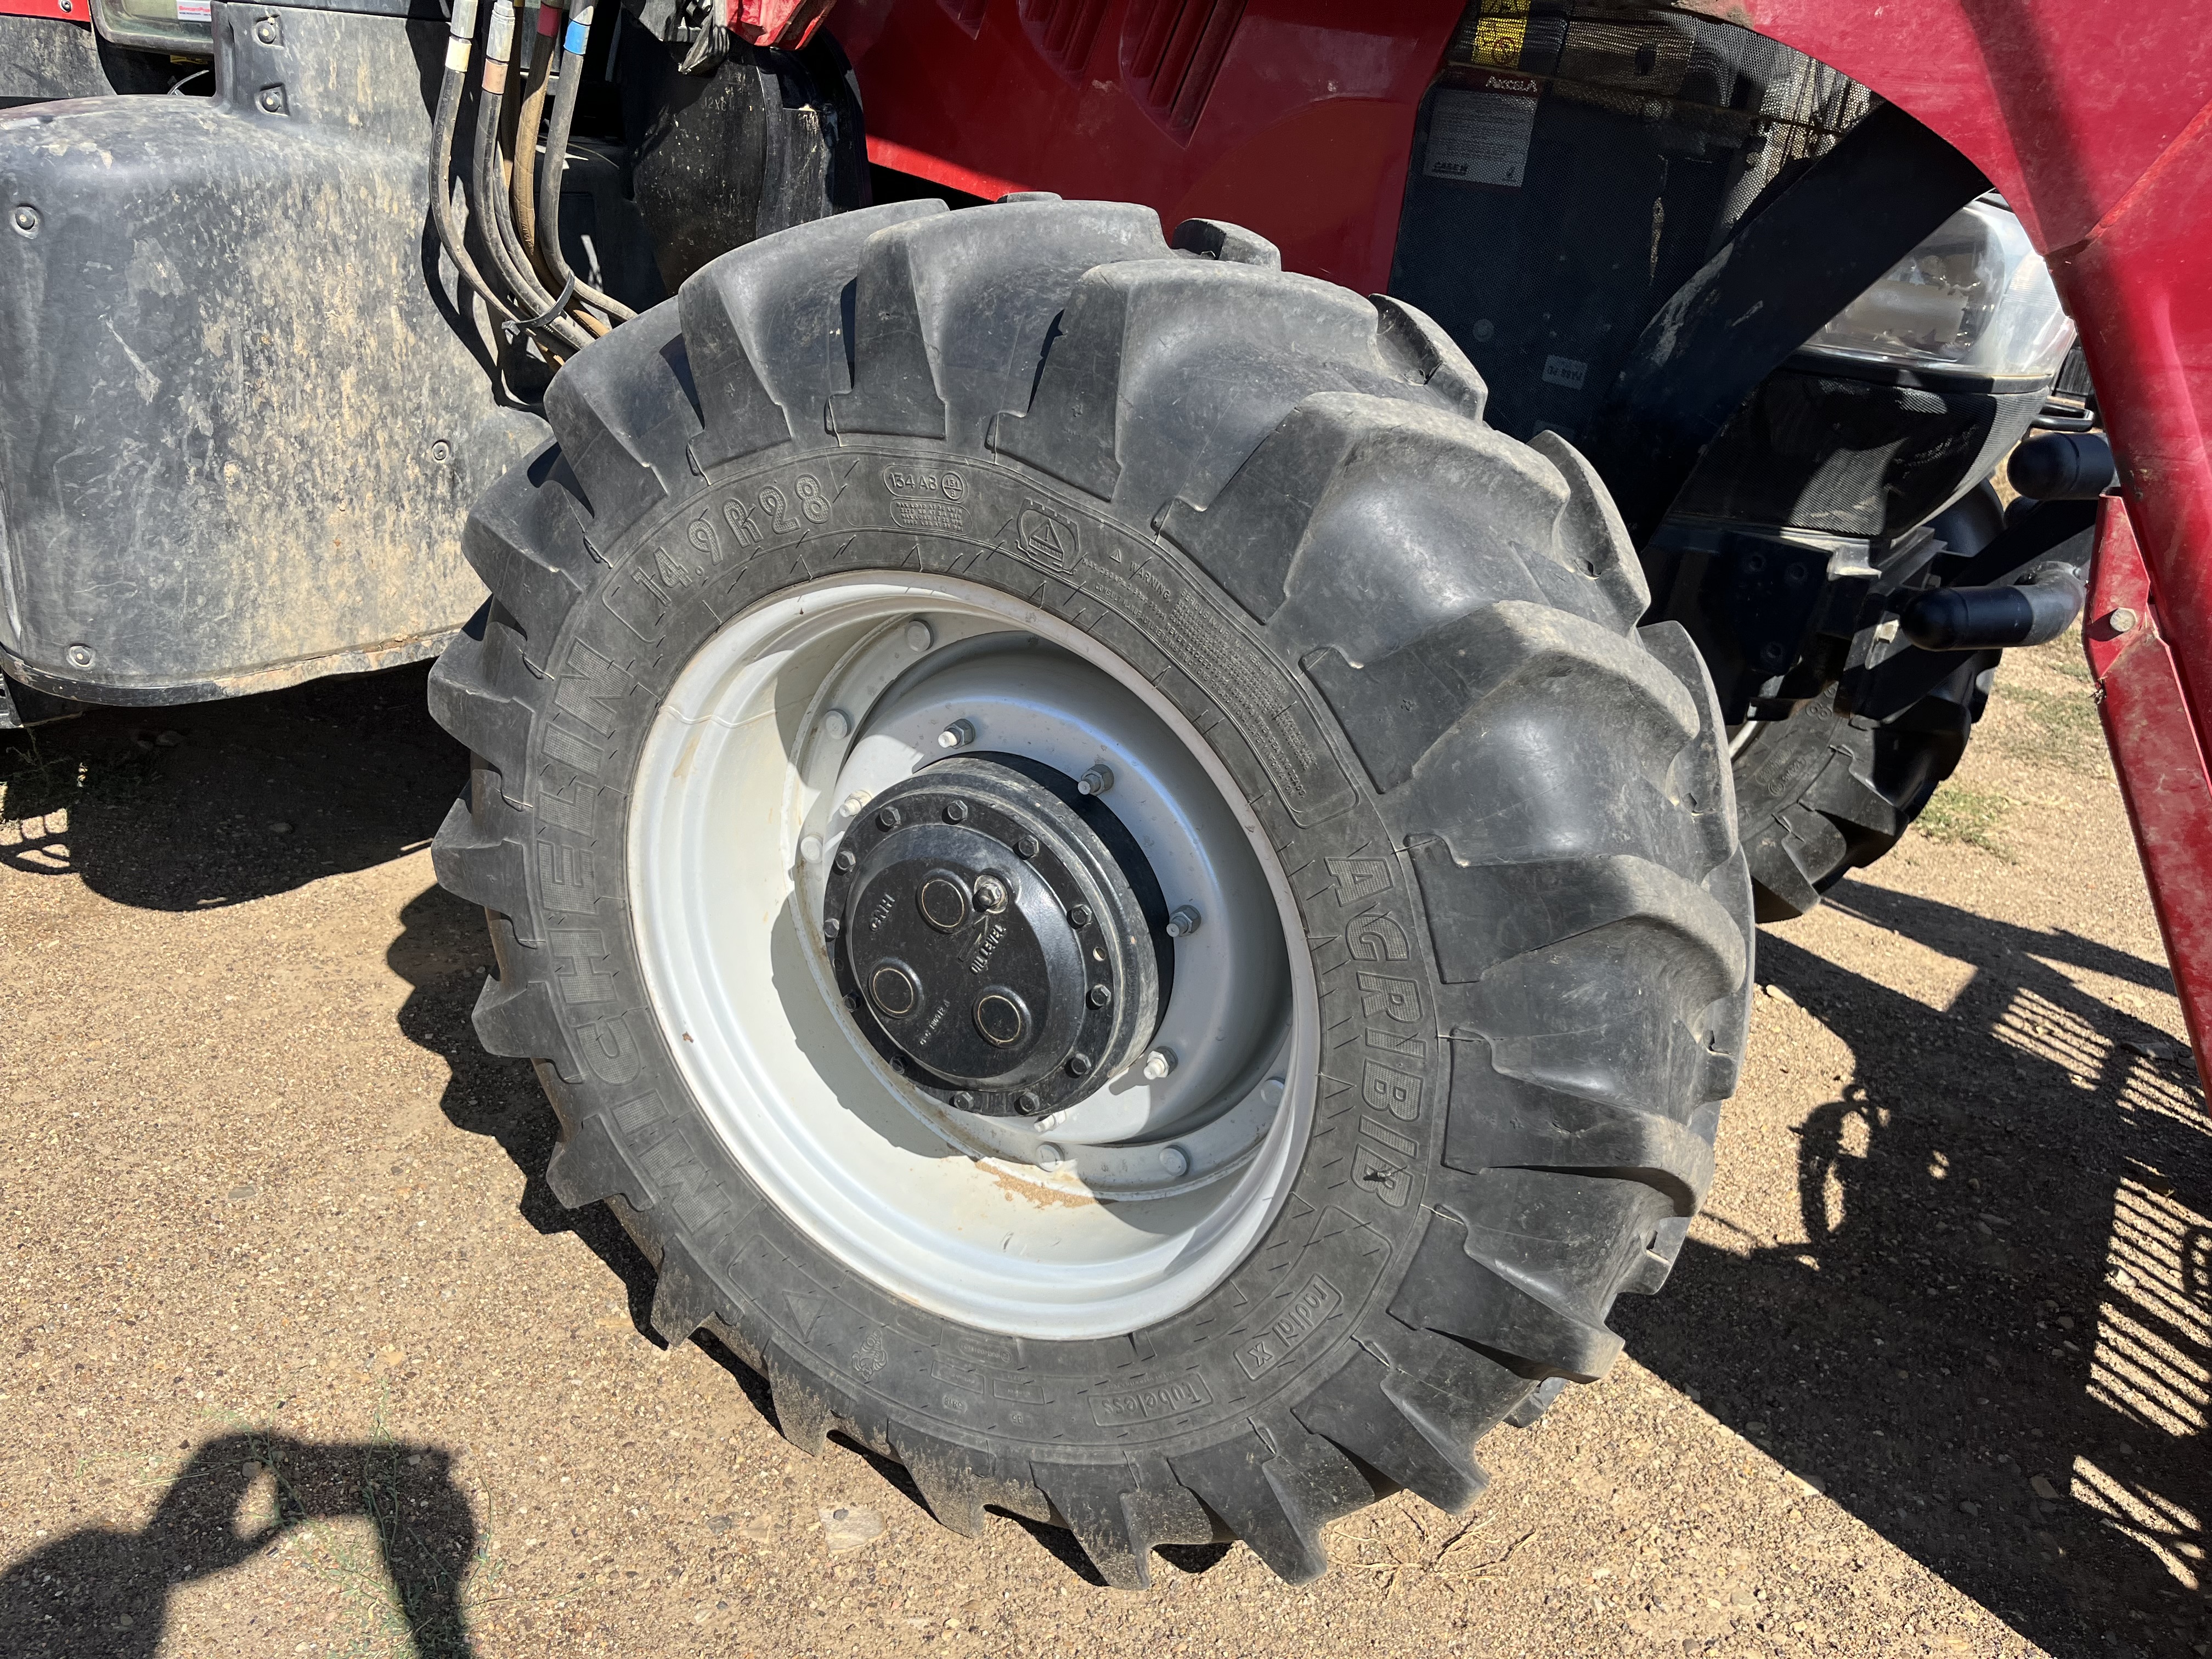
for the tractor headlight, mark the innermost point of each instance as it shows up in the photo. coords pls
(181, 27)
(1974, 297)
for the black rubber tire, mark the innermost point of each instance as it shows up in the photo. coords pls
(1818, 796)
(1413, 643)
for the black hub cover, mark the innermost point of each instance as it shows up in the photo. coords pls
(997, 935)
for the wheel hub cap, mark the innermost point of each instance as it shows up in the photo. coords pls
(997, 935)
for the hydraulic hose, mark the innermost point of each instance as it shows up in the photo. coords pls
(459, 45)
(541, 40)
(549, 314)
(573, 42)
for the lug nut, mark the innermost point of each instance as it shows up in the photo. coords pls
(1026, 846)
(1078, 1065)
(832, 927)
(888, 818)
(1028, 1103)
(1078, 915)
(1181, 920)
(846, 860)
(955, 811)
(918, 636)
(1095, 781)
(958, 735)
(1175, 1161)
(1158, 1064)
(1101, 995)
(962, 1100)
(837, 723)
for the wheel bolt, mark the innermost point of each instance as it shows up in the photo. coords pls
(1048, 1155)
(919, 636)
(1183, 920)
(1101, 995)
(810, 850)
(846, 860)
(1078, 915)
(1158, 1064)
(1175, 1161)
(1078, 1065)
(962, 1100)
(832, 927)
(958, 735)
(888, 818)
(1026, 846)
(837, 723)
(955, 811)
(1095, 781)
(1027, 1103)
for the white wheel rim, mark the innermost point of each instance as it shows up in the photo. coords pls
(1114, 1213)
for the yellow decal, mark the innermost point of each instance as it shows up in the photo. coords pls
(1498, 34)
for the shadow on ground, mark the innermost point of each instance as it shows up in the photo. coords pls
(2027, 1158)
(179, 809)
(101, 1592)
(1995, 1348)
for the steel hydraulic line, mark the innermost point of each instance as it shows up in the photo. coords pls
(573, 42)
(489, 200)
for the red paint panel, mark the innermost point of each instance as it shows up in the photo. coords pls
(75, 11)
(2161, 766)
(1064, 30)
(1291, 116)
(935, 168)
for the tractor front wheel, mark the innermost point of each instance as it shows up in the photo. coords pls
(1099, 871)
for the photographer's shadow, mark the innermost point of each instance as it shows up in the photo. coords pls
(104, 1593)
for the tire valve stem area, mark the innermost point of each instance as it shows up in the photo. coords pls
(997, 936)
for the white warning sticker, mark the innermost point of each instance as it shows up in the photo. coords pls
(193, 11)
(1480, 134)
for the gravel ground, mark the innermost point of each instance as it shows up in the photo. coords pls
(306, 1359)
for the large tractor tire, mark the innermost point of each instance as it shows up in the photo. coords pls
(1818, 795)
(1098, 872)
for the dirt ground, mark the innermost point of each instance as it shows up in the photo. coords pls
(305, 1358)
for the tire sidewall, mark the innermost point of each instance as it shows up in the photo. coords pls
(1284, 1319)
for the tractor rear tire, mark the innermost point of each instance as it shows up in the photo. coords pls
(1818, 796)
(1502, 939)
